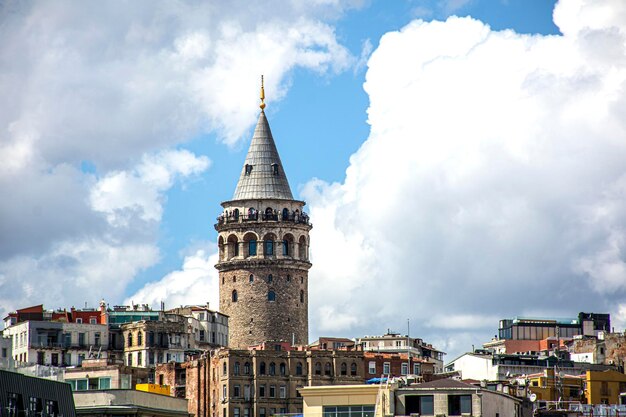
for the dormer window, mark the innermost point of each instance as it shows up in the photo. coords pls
(248, 169)
(275, 169)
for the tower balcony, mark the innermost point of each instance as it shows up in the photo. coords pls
(236, 219)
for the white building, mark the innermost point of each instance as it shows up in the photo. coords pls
(396, 343)
(56, 343)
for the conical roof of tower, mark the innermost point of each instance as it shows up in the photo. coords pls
(262, 175)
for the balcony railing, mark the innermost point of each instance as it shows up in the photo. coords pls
(299, 218)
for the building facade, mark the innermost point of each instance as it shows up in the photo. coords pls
(263, 240)
(396, 343)
(150, 342)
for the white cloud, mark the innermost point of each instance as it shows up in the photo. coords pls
(92, 94)
(196, 283)
(121, 193)
(491, 184)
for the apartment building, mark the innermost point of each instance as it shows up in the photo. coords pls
(396, 343)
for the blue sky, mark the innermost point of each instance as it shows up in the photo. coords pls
(321, 121)
(472, 166)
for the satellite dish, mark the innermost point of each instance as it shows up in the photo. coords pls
(533, 397)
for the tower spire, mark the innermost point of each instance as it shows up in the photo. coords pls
(262, 105)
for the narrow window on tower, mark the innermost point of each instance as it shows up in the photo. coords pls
(234, 296)
(248, 169)
(269, 247)
(301, 296)
(275, 169)
(271, 295)
(270, 278)
(252, 247)
(251, 278)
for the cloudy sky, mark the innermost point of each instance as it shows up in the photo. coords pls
(466, 156)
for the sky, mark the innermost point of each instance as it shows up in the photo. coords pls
(466, 156)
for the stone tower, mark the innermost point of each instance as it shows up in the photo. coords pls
(264, 250)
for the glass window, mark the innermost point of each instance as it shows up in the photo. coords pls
(285, 247)
(269, 247)
(283, 391)
(236, 412)
(234, 296)
(272, 391)
(459, 404)
(353, 369)
(299, 368)
(262, 368)
(236, 391)
(104, 383)
(236, 368)
(251, 279)
(261, 391)
(404, 369)
(272, 368)
(271, 295)
(246, 368)
(348, 411)
(386, 368)
(372, 368)
(252, 247)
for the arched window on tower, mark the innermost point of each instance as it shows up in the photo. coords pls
(270, 278)
(274, 169)
(234, 296)
(285, 214)
(252, 247)
(251, 279)
(271, 295)
(248, 169)
(236, 214)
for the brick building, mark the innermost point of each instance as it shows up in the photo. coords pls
(260, 381)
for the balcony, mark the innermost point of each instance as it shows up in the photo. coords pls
(297, 218)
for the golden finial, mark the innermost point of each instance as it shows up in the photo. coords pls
(262, 105)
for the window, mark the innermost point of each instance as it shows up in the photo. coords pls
(272, 411)
(318, 368)
(344, 369)
(224, 368)
(285, 213)
(416, 369)
(246, 412)
(327, 369)
(54, 359)
(386, 368)
(234, 296)
(246, 392)
(262, 368)
(302, 296)
(202, 335)
(140, 338)
(353, 370)
(404, 369)
(224, 392)
(236, 249)
(272, 368)
(104, 383)
(248, 169)
(236, 390)
(283, 369)
(262, 412)
(349, 411)
(272, 391)
(270, 278)
(372, 368)
(79, 320)
(299, 368)
(52, 408)
(271, 295)
(262, 391)
(420, 404)
(130, 339)
(269, 247)
(251, 279)
(246, 368)
(301, 280)
(288, 278)
(236, 412)
(139, 359)
(252, 247)
(236, 368)
(92, 320)
(459, 404)
(81, 339)
(274, 169)
(282, 391)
